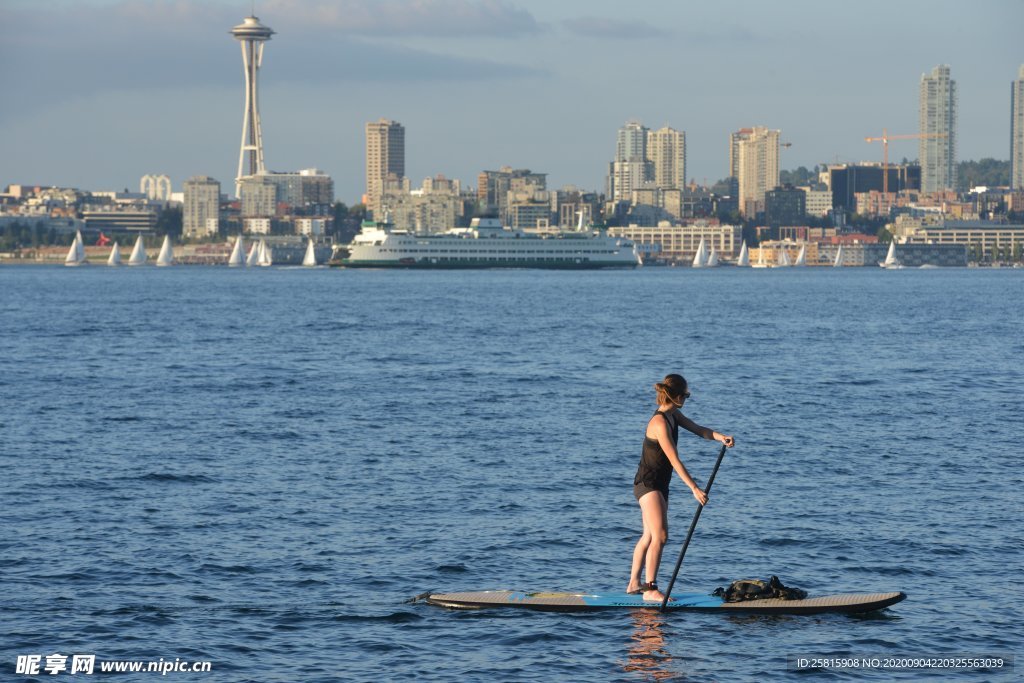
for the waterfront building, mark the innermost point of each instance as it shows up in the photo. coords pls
(986, 240)
(257, 226)
(679, 243)
(1017, 132)
(754, 162)
(119, 219)
(937, 116)
(311, 227)
(385, 158)
(252, 35)
(666, 150)
(201, 206)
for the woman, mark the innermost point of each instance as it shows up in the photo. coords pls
(650, 486)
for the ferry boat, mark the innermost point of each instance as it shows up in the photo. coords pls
(486, 243)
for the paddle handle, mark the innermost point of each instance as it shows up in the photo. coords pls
(693, 525)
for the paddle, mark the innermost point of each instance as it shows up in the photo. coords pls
(693, 525)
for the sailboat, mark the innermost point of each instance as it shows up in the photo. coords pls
(115, 256)
(801, 258)
(891, 262)
(744, 259)
(783, 258)
(76, 254)
(700, 259)
(166, 257)
(712, 258)
(760, 259)
(839, 257)
(264, 256)
(237, 257)
(254, 253)
(309, 260)
(138, 256)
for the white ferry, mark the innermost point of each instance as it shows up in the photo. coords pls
(486, 243)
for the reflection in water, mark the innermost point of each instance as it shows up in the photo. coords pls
(647, 655)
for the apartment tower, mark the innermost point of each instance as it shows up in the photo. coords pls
(385, 158)
(631, 167)
(666, 149)
(201, 207)
(754, 163)
(1017, 132)
(937, 147)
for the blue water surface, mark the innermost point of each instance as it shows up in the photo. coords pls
(256, 468)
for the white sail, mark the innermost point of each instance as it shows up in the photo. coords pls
(783, 257)
(76, 254)
(890, 259)
(700, 259)
(264, 255)
(115, 256)
(839, 257)
(801, 258)
(744, 259)
(254, 254)
(138, 256)
(166, 257)
(309, 260)
(237, 257)
(712, 258)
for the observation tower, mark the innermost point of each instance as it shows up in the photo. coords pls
(252, 35)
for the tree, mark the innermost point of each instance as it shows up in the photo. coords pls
(986, 172)
(169, 222)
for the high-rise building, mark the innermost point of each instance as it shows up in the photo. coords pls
(252, 35)
(631, 167)
(666, 149)
(201, 208)
(1017, 132)
(631, 142)
(754, 162)
(385, 158)
(937, 150)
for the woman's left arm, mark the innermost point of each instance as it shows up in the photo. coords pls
(705, 432)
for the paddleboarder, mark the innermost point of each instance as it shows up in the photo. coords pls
(658, 459)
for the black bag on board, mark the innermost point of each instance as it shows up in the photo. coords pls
(755, 589)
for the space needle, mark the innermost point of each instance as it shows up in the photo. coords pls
(252, 34)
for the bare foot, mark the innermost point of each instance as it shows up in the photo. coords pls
(633, 587)
(655, 596)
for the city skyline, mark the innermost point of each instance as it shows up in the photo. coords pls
(481, 85)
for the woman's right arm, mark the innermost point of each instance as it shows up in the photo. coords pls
(669, 448)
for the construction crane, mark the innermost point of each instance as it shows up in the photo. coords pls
(884, 139)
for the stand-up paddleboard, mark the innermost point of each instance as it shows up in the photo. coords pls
(586, 602)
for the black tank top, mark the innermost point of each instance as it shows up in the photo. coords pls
(655, 470)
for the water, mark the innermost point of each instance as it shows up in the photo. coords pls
(256, 468)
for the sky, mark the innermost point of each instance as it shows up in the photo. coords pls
(95, 94)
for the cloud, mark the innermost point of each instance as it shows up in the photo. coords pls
(408, 17)
(603, 27)
(53, 55)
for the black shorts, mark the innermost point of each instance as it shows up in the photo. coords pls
(641, 489)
